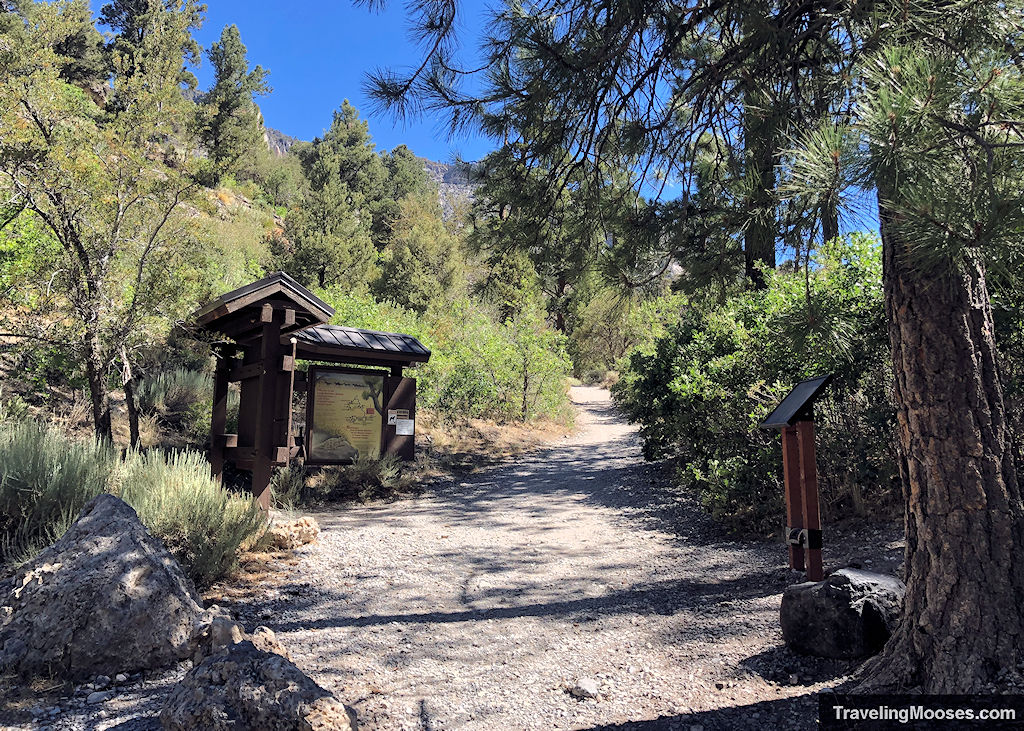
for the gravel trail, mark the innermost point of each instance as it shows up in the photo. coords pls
(481, 605)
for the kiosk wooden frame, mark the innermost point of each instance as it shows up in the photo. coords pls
(266, 327)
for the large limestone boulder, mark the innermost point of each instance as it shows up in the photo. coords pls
(106, 598)
(850, 614)
(243, 681)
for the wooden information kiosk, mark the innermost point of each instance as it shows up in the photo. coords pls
(360, 404)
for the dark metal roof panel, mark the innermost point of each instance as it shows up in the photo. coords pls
(364, 340)
(798, 404)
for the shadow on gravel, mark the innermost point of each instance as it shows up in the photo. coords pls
(667, 597)
(781, 665)
(799, 712)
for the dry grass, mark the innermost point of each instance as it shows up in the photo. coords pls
(477, 443)
(256, 572)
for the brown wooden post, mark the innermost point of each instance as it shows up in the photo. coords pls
(283, 412)
(270, 352)
(219, 418)
(812, 517)
(399, 394)
(794, 496)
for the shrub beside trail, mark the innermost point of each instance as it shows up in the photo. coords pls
(46, 478)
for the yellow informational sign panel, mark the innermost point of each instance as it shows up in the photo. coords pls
(344, 416)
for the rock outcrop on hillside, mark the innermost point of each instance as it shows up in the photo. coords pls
(106, 598)
(454, 187)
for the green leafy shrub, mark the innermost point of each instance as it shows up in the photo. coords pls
(183, 399)
(174, 391)
(368, 478)
(612, 325)
(480, 367)
(700, 393)
(46, 478)
(202, 524)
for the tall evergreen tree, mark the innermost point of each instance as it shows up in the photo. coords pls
(134, 21)
(231, 126)
(421, 263)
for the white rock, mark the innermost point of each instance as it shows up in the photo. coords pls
(585, 688)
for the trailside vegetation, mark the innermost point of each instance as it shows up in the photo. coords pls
(755, 127)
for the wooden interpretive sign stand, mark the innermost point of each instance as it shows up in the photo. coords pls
(795, 418)
(272, 325)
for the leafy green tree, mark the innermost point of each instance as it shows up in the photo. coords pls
(87, 64)
(97, 182)
(420, 265)
(405, 176)
(644, 83)
(515, 210)
(326, 244)
(231, 127)
(345, 158)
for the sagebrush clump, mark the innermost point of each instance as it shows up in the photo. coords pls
(46, 478)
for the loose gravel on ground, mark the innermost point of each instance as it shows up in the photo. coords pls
(574, 590)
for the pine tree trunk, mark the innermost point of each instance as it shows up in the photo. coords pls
(132, 404)
(964, 610)
(830, 219)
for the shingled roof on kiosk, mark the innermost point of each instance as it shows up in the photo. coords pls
(236, 314)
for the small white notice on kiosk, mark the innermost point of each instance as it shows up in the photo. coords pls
(395, 414)
(404, 427)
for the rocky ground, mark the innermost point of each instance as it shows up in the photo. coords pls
(573, 590)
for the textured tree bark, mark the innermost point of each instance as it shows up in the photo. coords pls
(98, 393)
(830, 219)
(964, 610)
(132, 404)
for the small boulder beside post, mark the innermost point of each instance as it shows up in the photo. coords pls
(850, 614)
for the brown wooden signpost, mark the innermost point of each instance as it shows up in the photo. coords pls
(795, 417)
(271, 325)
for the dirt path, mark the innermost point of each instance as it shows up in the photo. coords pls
(475, 606)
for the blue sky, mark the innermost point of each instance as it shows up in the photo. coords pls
(319, 53)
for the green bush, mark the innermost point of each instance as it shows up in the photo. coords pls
(700, 393)
(174, 391)
(202, 524)
(183, 399)
(369, 478)
(46, 478)
(480, 367)
(612, 325)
